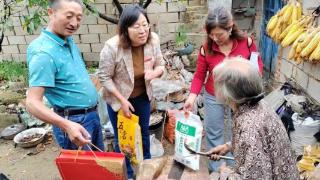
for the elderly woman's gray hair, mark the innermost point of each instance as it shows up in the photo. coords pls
(237, 80)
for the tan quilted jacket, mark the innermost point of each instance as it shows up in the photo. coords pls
(116, 68)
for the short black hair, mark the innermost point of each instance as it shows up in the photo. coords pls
(55, 4)
(129, 16)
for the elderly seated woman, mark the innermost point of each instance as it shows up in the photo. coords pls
(260, 144)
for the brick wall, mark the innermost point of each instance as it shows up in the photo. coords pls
(164, 17)
(306, 75)
(249, 24)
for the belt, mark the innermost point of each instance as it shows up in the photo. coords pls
(70, 112)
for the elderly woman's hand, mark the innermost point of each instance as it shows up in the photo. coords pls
(218, 150)
(225, 172)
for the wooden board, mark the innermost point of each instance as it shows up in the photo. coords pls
(177, 171)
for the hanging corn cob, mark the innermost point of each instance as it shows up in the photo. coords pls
(300, 43)
(288, 27)
(286, 16)
(296, 28)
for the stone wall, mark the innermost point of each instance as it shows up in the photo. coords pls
(214, 3)
(164, 17)
(306, 74)
(249, 24)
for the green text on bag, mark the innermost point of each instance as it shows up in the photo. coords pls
(186, 129)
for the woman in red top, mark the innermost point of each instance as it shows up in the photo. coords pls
(224, 39)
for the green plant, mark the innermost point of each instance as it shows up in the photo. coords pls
(181, 35)
(91, 69)
(13, 71)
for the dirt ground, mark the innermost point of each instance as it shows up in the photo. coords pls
(16, 164)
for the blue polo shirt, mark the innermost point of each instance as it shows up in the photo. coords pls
(57, 65)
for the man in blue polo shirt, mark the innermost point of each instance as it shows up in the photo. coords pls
(57, 71)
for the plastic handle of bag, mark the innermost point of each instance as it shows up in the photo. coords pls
(80, 147)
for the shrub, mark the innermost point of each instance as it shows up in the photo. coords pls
(13, 71)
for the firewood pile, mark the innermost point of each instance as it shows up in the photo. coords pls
(172, 89)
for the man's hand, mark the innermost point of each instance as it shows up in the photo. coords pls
(77, 134)
(127, 108)
(218, 150)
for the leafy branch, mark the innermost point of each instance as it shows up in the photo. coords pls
(34, 13)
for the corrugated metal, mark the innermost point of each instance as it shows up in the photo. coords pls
(268, 48)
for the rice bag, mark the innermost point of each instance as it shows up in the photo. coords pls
(129, 136)
(188, 130)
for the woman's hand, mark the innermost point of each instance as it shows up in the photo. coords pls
(149, 75)
(218, 150)
(188, 105)
(127, 108)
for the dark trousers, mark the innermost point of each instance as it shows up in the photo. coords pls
(91, 122)
(141, 105)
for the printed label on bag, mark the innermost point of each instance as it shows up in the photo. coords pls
(186, 129)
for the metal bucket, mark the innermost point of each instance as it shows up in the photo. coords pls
(157, 128)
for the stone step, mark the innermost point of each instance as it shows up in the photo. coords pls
(193, 16)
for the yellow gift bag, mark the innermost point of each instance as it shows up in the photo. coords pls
(129, 136)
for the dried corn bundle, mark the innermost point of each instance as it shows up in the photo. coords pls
(278, 25)
(311, 155)
(290, 27)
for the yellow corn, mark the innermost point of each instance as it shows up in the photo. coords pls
(299, 60)
(283, 10)
(311, 46)
(301, 23)
(290, 39)
(287, 14)
(276, 30)
(309, 37)
(293, 50)
(287, 29)
(299, 40)
(272, 23)
(291, 53)
(294, 15)
(315, 55)
(299, 10)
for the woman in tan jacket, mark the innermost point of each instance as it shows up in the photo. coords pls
(128, 62)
